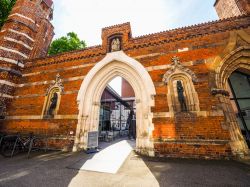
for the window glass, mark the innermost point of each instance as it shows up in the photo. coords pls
(241, 87)
(240, 84)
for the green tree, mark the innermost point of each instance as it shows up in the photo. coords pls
(66, 43)
(5, 8)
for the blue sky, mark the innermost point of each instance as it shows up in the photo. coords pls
(88, 17)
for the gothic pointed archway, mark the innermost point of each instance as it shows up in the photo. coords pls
(238, 59)
(116, 64)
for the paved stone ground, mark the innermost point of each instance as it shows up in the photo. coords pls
(53, 169)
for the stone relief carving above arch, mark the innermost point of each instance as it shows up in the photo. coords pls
(177, 67)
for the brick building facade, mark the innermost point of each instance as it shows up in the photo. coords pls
(202, 57)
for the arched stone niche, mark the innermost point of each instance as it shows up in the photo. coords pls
(53, 94)
(115, 40)
(179, 73)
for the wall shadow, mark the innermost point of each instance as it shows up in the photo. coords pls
(42, 169)
(191, 172)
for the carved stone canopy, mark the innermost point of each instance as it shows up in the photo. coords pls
(56, 84)
(177, 67)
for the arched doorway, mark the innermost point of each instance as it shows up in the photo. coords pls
(237, 61)
(113, 65)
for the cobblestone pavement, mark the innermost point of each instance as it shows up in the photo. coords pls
(54, 169)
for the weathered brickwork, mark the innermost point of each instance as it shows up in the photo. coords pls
(127, 90)
(199, 134)
(186, 149)
(26, 34)
(230, 8)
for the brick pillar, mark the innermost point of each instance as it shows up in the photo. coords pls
(26, 34)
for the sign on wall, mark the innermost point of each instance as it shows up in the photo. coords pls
(92, 139)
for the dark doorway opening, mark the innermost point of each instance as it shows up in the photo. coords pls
(239, 83)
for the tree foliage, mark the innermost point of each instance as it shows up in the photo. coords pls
(66, 43)
(5, 8)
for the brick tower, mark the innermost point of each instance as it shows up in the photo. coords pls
(230, 8)
(26, 34)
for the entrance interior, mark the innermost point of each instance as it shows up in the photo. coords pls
(116, 124)
(117, 117)
(239, 84)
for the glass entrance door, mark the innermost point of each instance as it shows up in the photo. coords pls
(240, 98)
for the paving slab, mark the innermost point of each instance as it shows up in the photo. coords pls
(52, 170)
(109, 159)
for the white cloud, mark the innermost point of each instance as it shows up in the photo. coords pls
(88, 17)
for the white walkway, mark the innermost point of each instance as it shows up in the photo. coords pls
(111, 158)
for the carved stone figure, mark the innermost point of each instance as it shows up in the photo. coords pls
(131, 122)
(53, 103)
(115, 45)
(181, 97)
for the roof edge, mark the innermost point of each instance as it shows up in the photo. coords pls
(216, 1)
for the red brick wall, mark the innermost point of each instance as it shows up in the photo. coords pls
(198, 137)
(127, 90)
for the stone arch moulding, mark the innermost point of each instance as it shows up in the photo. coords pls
(232, 58)
(55, 87)
(178, 72)
(238, 58)
(116, 64)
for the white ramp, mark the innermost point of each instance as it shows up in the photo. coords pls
(110, 159)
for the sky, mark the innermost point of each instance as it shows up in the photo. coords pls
(88, 17)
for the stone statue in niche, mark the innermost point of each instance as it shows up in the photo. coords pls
(53, 103)
(115, 45)
(181, 97)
